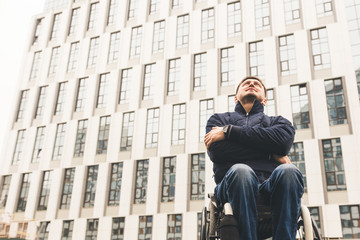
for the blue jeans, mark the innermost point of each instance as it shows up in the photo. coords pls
(283, 188)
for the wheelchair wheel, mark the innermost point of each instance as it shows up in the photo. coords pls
(212, 220)
(204, 232)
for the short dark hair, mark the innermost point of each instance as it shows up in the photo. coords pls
(251, 77)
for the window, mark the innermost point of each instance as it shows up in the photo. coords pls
(335, 99)
(227, 66)
(173, 77)
(270, 108)
(43, 231)
(256, 54)
(67, 188)
(262, 15)
(145, 227)
(4, 229)
(94, 9)
(93, 52)
(41, 102)
(324, 8)
(115, 184)
(80, 138)
(24, 191)
(152, 128)
(207, 25)
(177, 3)
(4, 192)
(168, 179)
(125, 86)
(320, 49)
(113, 11)
(199, 72)
(92, 229)
(182, 34)
(141, 182)
(67, 231)
(149, 80)
(44, 191)
(287, 55)
(315, 214)
(292, 11)
(35, 66)
(22, 230)
(234, 19)
(231, 103)
(60, 102)
(158, 37)
(133, 9)
(38, 28)
(174, 226)
(300, 106)
(178, 124)
(55, 26)
(334, 168)
(197, 177)
(118, 226)
(352, 8)
(127, 131)
(73, 57)
(199, 220)
(349, 215)
(74, 21)
(59, 141)
(18, 147)
(90, 189)
(206, 110)
(114, 47)
(81, 95)
(135, 46)
(22, 105)
(39, 143)
(297, 158)
(154, 6)
(103, 136)
(102, 91)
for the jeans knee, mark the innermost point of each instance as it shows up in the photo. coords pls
(289, 173)
(242, 173)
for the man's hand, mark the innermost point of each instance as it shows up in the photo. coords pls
(281, 159)
(216, 134)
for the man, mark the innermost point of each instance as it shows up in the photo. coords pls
(249, 151)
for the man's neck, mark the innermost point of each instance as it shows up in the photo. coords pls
(247, 106)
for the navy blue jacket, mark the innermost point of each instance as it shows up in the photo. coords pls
(251, 140)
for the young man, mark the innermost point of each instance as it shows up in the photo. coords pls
(249, 151)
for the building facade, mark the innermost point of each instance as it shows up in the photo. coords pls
(106, 140)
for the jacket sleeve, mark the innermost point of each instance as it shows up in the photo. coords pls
(277, 138)
(224, 150)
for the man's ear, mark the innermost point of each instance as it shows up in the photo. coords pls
(264, 101)
(236, 100)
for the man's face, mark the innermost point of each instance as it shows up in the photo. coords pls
(250, 90)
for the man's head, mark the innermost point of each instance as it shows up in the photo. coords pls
(249, 89)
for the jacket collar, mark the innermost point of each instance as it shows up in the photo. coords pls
(256, 108)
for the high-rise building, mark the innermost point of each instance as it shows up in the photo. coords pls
(107, 134)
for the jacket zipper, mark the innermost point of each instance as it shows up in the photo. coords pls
(247, 118)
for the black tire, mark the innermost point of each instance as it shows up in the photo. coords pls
(212, 222)
(204, 233)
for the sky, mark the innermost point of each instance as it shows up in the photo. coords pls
(15, 27)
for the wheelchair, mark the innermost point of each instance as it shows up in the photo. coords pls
(215, 214)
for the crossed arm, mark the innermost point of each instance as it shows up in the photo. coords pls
(274, 139)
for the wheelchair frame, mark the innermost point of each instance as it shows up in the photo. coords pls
(211, 216)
